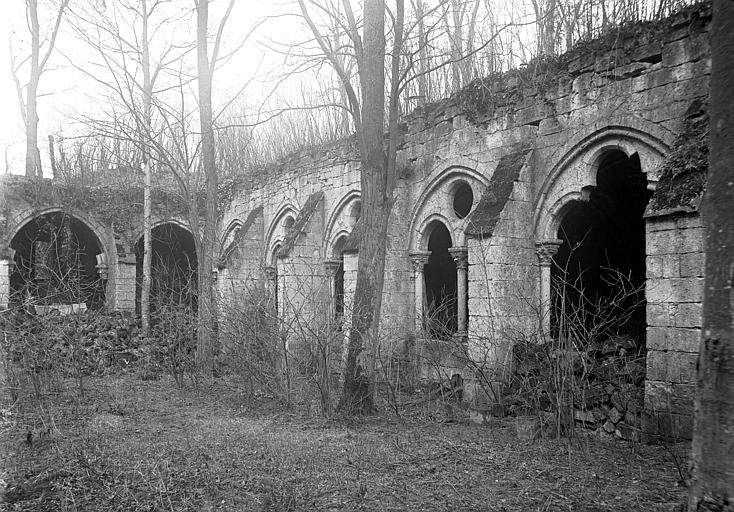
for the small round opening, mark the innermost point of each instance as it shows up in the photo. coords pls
(463, 200)
(288, 222)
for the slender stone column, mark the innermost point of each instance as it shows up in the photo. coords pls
(461, 257)
(6, 268)
(332, 267)
(419, 260)
(546, 249)
(271, 284)
(124, 285)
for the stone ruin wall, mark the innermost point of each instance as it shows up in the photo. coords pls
(632, 97)
(529, 144)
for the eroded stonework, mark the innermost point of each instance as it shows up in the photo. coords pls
(529, 149)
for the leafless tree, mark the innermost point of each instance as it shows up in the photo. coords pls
(40, 52)
(122, 36)
(206, 66)
(713, 464)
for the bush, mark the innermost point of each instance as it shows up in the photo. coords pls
(46, 349)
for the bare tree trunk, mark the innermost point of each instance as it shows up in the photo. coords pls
(424, 95)
(32, 153)
(32, 160)
(357, 396)
(38, 63)
(52, 155)
(147, 205)
(204, 346)
(713, 452)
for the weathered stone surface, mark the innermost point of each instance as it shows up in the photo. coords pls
(666, 397)
(632, 419)
(619, 402)
(688, 289)
(584, 416)
(673, 367)
(627, 432)
(614, 415)
(692, 264)
(527, 144)
(678, 339)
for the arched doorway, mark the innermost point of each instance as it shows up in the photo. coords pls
(174, 268)
(56, 262)
(440, 284)
(598, 275)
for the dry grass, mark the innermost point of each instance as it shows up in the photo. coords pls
(131, 445)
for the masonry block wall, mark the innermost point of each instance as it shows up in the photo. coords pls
(529, 145)
(674, 293)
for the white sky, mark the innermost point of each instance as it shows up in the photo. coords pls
(67, 91)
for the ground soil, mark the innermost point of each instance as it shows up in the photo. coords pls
(133, 445)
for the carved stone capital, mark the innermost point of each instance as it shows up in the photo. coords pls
(546, 249)
(332, 266)
(419, 260)
(270, 272)
(103, 271)
(461, 257)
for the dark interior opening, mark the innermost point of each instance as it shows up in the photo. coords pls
(598, 275)
(174, 268)
(55, 263)
(440, 280)
(463, 200)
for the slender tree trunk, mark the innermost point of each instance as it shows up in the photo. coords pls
(32, 160)
(52, 156)
(147, 252)
(38, 63)
(32, 154)
(712, 487)
(357, 396)
(147, 205)
(424, 95)
(208, 161)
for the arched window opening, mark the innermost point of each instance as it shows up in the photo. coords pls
(440, 285)
(598, 276)
(56, 263)
(174, 268)
(463, 200)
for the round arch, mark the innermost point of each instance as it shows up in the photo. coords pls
(436, 197)
(336, 226)
(427, 227)
(272, 237)
(229, 234)
(575, 170)
(100, 231)
(38, 241)
(174, 262)
(157, 222)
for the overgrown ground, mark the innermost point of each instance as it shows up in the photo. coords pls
(134, 445)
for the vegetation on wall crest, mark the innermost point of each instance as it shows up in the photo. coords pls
(118, 204)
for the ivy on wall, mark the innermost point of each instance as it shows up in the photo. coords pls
(119, 205)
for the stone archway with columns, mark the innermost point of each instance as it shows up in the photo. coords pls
(106, 261)
(573, 178)
(437, 203)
